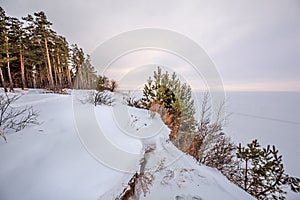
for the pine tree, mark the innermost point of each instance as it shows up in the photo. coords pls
(33, 54)
(263, 173)
(6, 49)
(89, 74)
(77, 59)
(62, 55)
(41, 35)
(103, 83)
(3, 22)
(174, 97)
(17, 35)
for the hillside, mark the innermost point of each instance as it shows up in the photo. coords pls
(49, 161)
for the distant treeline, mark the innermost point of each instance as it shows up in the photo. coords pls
(33, 55)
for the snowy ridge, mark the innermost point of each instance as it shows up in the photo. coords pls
(174, 174)
(182, 179)
(49, 162)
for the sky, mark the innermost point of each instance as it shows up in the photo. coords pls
(254, 44)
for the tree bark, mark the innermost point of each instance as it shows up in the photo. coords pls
(55, 72)
(2, 80)
(246, 176)
(11, 88)
(34, 79)
(59, 72)
(51, 83)
(22, 70)
(68, 73)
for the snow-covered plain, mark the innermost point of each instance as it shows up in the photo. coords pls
(49, 161)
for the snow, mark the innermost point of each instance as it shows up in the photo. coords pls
(52, 161)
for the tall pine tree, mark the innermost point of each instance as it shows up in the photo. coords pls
(3, 28)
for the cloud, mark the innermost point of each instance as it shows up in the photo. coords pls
(250, 42)
(137, 66)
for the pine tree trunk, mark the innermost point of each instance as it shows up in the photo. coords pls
(79, 79)
(246, 176)
(55, 72)
(59, 72)
(42, 78)
(68, 73)
(2, 80)
(11, 88)
(34, 80)
(22, 71)
(34, 75)
(51, 83)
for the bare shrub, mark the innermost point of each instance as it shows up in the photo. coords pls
(113, 85)
(12, 118)
(222, 156)
(145, 181)
(210, 146)
(134, 102)
(208, 131)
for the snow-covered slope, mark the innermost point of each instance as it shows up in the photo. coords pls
(48, 161)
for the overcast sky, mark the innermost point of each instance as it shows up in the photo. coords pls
(254, 44)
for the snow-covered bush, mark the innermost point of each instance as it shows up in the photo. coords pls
(104, 88)
(103, 97)
(134, 102)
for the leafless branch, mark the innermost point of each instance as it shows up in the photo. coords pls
(12, 118)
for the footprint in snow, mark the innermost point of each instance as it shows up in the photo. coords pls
(187, 197)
